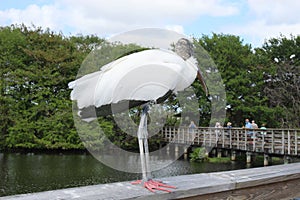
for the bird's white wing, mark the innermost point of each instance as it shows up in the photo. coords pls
(83, 89)
(142, 76)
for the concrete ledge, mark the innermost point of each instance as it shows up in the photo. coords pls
(206, 185)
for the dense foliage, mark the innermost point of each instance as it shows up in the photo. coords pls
(37, 65)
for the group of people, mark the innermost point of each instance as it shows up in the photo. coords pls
(247, 125)
(252, 125)
(251, 128)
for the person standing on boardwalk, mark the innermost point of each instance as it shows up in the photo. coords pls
(192, 129)
(248, 126)
(217, 131)
(254, 126)
(263, 127)
(229, 125)
(192, 126)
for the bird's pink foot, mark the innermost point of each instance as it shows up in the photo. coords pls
(153, 185)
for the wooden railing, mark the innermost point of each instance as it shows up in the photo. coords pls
(272, 141)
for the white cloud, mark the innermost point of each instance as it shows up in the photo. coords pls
(257, 32)
(45, 16)
(113, 16)
(267, 19)
(276, 12)
(255, 20)
(107, 17)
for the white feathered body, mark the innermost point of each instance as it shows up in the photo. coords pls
(143, 76)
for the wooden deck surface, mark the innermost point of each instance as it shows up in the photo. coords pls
(273, 182)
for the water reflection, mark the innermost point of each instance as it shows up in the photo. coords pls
(24, 173)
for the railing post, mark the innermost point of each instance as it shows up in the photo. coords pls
(254, 140)
(183, 133)
(238, 139)
(198, 136)
(223, 138)
(266, 159)
(289, 142)
(282, 141)
(245, 135)
(263, 141)
(248, 157)
(204, 137)
(166, 133)
(233, 155)
(177, 135)
(210, 137)
(188, 137)
(230, 139)
(296, 143)
(272, 148)
(170, 132)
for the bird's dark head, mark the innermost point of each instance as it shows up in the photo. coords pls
(184, 48)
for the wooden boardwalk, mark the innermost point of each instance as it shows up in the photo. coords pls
(270, 141)
(268, 183)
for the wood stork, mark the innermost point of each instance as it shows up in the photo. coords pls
(134, 80)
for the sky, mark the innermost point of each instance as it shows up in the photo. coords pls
(254, 21)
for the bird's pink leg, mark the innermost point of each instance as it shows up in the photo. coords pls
(142, 134)
(153, 185)
(157, 185)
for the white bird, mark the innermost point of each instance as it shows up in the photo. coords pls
(292, 56)
(133, 80)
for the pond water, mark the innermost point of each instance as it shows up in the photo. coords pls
(26, 173)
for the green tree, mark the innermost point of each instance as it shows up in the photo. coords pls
(243, 80)
(11, 42)
(37, 67)
(280, 58)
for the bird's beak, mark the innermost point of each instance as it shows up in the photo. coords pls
(201, 79)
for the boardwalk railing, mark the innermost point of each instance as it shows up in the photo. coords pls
(271, 141)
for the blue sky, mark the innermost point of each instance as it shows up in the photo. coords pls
(252, 20)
